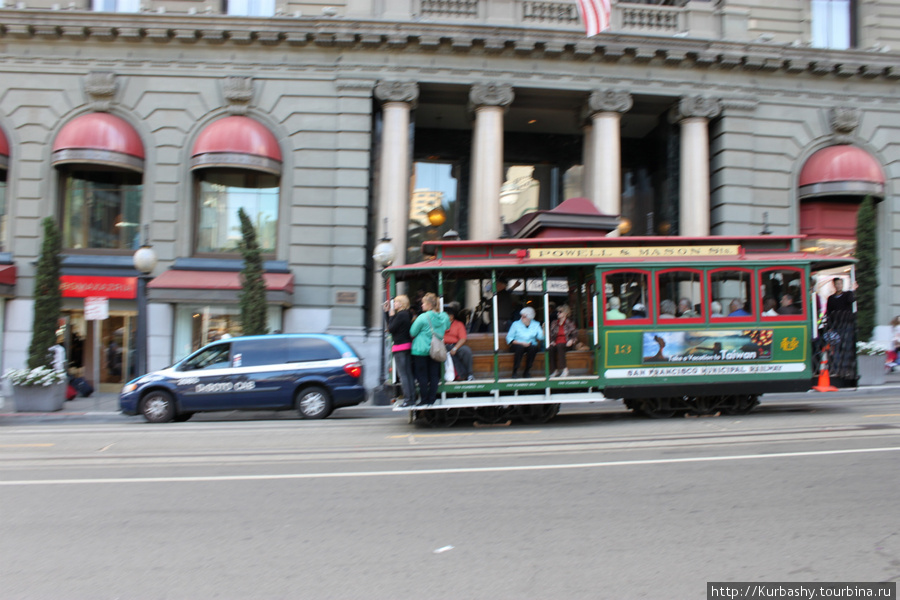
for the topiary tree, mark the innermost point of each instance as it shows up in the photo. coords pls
(866, 268)
(253, 296)
(47, 298)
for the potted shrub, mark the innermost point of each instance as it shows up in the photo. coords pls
(38, 387)
(870, 359)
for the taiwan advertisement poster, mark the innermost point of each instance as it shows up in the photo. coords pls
(733, 346)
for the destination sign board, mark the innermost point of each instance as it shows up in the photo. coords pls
(634, 252)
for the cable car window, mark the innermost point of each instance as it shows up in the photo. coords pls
(626, 296)
(782, 292)
(731, 294)
(683, 290)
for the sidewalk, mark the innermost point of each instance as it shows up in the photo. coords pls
(106, 404)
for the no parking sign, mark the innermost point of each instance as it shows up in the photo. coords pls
(96, 308)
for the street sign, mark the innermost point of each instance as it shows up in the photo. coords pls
(96, 308)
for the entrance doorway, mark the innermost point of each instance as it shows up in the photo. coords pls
(115, 346)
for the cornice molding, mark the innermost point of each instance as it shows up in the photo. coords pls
(36, 26)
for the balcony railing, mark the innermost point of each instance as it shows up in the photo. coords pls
(674, 17)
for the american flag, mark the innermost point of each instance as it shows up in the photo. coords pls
(595, 14)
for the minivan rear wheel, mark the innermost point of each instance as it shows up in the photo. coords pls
(158, 407)
(313, 403)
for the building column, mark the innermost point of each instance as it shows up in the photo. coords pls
(587, 157)
(398, 99)
(605, 108)
(693, 114)
(488, 101)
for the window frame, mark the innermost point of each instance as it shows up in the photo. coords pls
(65, 173)
(236, 253)
(648, 320)
(802, 315)
(701, 280)
(751, 296)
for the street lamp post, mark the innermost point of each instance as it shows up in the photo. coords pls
(383, 256)
(144, 261)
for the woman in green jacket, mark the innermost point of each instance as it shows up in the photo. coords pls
(426, 370)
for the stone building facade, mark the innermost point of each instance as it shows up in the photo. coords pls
(155, 122)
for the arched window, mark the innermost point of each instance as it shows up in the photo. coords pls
(832, 184)
(237, 164)
(100, 161)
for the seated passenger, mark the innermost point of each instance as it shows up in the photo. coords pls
(686, 309)
(667, 309)
(769, 305)
(563, 336)
(455, 340)
(715, 309)
(787, 305)
(614, 314)
(522, 339)
(736, 309)
(638, 311)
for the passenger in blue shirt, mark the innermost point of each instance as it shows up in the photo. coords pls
(522, 339)
(737, 309)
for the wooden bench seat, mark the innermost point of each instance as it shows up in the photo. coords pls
(580, 362)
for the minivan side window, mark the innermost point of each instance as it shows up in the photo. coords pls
(310, 349)
(214, 357)
(263, 351)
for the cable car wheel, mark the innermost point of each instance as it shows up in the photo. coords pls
(707, 405)
(741, 405)
(659, 408)
(535, 414)
(491, 415)
(445, 417)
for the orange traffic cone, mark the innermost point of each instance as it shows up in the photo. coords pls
(824, 378)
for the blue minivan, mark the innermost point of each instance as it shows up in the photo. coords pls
(313, 373)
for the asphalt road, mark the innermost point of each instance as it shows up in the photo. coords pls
(595, 504)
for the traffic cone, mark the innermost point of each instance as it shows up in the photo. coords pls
(824, 378)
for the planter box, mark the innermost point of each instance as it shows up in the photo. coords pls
(871, 369)
(39, 398)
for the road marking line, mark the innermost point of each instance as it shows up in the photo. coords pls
(876, 416)
(464, 434)
(459, 470)
(26, 445)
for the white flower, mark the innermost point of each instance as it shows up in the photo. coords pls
(40, 376)
(871, 348)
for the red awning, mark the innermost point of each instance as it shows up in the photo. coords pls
(218, 280)
(7, 274)
(99, 138)
(4, 151)
(841, 170)
(237, 142)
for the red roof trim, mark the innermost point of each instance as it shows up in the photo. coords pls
(100, 131)
(218, 280)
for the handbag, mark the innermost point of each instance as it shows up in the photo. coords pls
(438, 350)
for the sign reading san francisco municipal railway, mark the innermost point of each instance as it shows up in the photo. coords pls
(636, 252)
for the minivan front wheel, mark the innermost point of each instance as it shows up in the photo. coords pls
(313, 403)
(158, 407)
